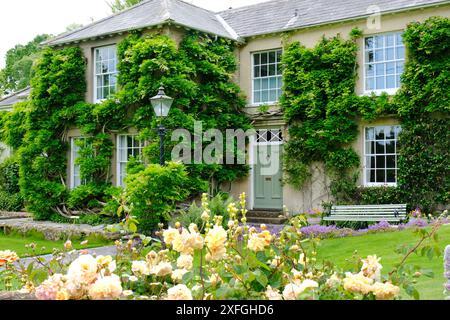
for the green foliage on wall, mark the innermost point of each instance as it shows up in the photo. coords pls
(321, 108)
(322, 111)
(198, 74)
(58, 84)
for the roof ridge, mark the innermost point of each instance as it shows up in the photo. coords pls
(96, 22)
(195, 6)
(248, 6)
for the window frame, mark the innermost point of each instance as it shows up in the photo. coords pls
(118, 155)
(252, 57)
(95, 97)
(366, 181)
(73, 164)
(390, 91)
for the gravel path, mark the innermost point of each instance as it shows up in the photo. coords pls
(102, 251)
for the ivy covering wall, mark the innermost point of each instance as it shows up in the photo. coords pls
(197, 73)
(323, 110)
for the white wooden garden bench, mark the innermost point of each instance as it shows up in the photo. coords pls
(369, 213)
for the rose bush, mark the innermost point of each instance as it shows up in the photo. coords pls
(208, 262)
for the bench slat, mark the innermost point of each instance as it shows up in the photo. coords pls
(392, 212)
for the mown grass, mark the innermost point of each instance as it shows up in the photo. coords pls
(339, 251)
(17, 242)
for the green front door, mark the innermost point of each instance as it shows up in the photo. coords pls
(268, 190)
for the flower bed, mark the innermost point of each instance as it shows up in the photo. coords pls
(210, 262)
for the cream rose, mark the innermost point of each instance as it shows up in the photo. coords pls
(185, 261)
(107, 288)
(179, 292)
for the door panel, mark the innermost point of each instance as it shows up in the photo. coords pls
(268, 177)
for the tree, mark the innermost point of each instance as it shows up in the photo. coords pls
(119, 5)
(19, 62)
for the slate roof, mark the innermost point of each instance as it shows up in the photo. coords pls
(13, 98)
(147, 14)
(262, 18)
(281, 15)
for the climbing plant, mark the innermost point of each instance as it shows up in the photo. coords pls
(424, 105)
(198, 74)
(323, 110)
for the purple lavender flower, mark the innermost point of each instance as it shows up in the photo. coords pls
(417, 223)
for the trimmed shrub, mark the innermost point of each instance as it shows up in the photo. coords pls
(152, 194)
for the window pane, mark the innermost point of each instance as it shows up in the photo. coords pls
(370, 70)
(390, 147)
(370, 57)
(379, 55)
(257, 72)
(273, 95)
(390, 40)
(370, 162)
(379, 133)
(256, 58)
(390, 132)
(273, 83)
(390, 162)
(381, 162)
(379, 82)
(390, 176)
(257, 84)
(391, 82)
(369, 43)
(265, 84)
(370, 134)
(272, 57)
(279, 56)
(379, 69)
(381, 176)
(370, 147)
(400, 53)
(390, 68)
(257, 96)
(379, 149)
(272, 70)
(371, 176)
(264, 96)
(264, 70)
(264, 58)
(389, 54)
(379, 41)
(370, 84)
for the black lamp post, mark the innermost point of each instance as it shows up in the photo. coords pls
(161, 104)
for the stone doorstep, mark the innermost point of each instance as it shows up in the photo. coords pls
(55, 231)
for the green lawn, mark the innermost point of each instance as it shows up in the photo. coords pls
(384, 245)
(17, 243)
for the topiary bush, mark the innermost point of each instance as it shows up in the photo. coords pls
(152, 194)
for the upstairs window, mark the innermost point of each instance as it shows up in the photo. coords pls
(267, 77)
(381, 155)
(128, 146)
(384, 62)
(105, 77)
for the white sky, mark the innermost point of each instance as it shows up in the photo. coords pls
(22, 20)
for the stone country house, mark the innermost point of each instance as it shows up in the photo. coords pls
(258, 31)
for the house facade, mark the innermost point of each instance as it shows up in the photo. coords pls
(260, 31)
